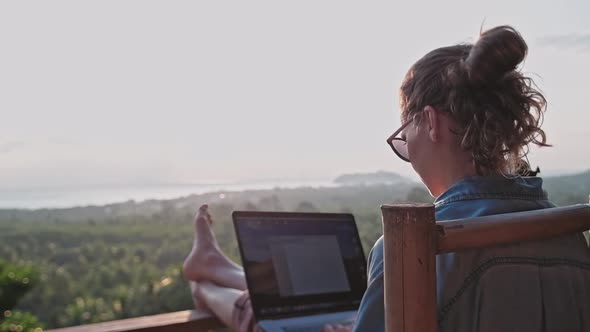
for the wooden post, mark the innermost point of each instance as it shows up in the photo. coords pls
(409, 233)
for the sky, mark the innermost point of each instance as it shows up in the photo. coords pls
(136, 92)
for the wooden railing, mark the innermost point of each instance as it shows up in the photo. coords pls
(181, 321)
(412, 239)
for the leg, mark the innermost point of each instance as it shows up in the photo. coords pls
(206, 262)
(224, 301)
(198, 302)
(220, 300)
(216, 282)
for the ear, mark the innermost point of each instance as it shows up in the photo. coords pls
(433, 123)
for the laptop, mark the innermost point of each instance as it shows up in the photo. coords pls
(303, 270)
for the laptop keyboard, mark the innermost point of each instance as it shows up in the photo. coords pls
(311, 328)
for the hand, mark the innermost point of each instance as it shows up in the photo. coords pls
(243, 315)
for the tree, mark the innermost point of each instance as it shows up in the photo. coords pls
(20, 321)
(306, 207)
(419, 195)
(271, 203)
(15, 282)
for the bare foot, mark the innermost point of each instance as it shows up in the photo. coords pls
(205, 247)
(206, 261)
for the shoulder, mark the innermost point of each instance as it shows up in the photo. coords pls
(376, 260)
(479, 196)
(371, 316)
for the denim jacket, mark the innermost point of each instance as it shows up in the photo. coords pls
(532, 286)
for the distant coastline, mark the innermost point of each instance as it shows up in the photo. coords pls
(67, 197)
(82, 196)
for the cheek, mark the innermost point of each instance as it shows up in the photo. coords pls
(416, 150)
(416, 158)
(421, 158)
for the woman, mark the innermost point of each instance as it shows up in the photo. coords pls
(468, 118)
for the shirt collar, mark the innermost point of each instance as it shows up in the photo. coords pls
(493, 186)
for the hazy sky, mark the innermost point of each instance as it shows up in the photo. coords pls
(119, 92)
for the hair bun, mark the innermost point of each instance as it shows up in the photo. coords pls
(497, 52)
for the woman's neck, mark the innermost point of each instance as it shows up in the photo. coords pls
(453, 174)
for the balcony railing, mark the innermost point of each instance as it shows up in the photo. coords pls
(181, 321)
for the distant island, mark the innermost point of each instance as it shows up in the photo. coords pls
(373, 178)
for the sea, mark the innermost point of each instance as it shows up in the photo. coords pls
(64, 197)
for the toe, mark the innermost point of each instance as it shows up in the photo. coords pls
(204, 213)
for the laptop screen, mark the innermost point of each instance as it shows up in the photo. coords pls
(299, 263)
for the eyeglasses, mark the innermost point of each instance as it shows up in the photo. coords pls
(398, 144)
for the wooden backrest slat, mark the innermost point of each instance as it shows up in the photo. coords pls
(501, 229)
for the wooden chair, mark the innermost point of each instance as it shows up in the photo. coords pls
(412, 239)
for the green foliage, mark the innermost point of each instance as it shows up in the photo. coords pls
(306, 207)
(101, 272)
(18, 321)
(15, 282)
(124, 260)
(118, 264)
(419, 195)
(570, 189)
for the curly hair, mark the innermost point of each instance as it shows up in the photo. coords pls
(498, 110)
